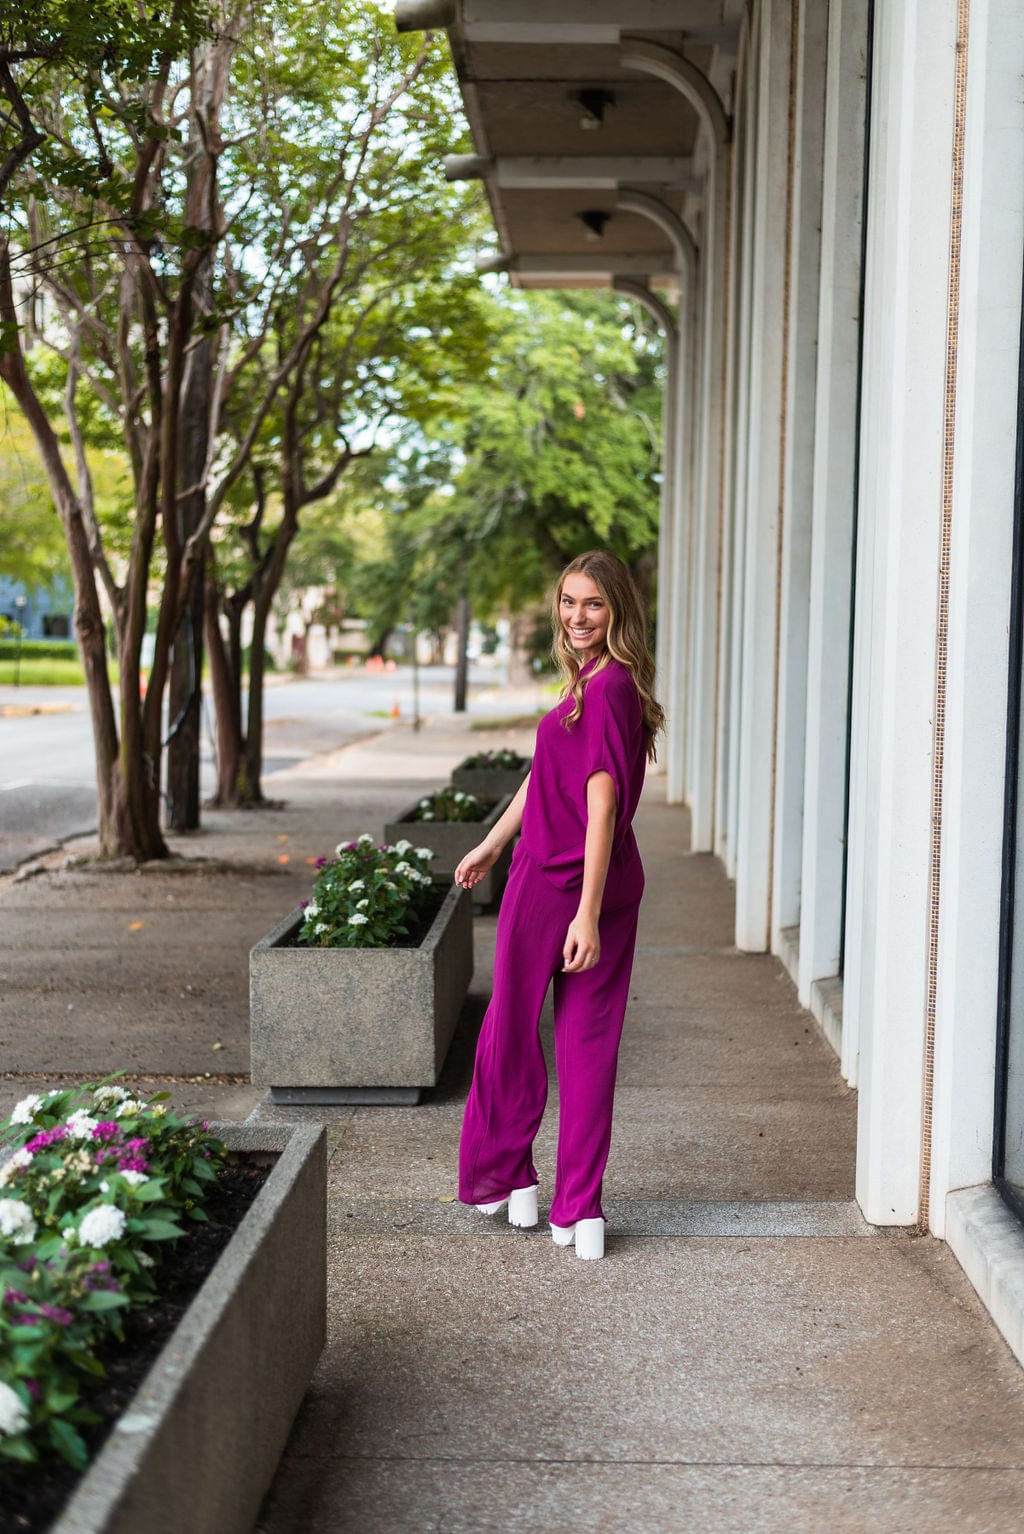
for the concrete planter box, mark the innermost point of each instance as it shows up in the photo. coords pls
(342, 1025)
(489, 782)
(198, 1445)
(451, 840)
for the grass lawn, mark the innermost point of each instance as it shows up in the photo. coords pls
(39, 671)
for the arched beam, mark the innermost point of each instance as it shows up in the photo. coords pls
(702, 681)
(677, 554)
(655, 59)
(656, 307)
(632, 200)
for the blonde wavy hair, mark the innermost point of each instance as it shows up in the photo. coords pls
(626, 641)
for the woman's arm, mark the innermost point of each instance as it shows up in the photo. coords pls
(582, 941)
(476, 863)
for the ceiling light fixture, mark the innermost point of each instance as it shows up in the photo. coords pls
(593, 223)
(592, 104)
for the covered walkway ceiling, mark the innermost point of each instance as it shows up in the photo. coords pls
(586, 122)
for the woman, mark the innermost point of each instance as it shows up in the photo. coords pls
(569, 913)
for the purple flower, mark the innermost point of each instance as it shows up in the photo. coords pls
(56, 1314)
(320, 863)
(303, 904)
(108, 1130)
(46, 1137)
(32, 1386)
(15, 1297)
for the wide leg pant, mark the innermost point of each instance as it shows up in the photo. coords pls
(510, 1080)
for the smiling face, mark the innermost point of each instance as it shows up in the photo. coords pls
(584, 615)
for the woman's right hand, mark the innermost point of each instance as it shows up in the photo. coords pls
(475, 865)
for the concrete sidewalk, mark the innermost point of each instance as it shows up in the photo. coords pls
(750, 1356)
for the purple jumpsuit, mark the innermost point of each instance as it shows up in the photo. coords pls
(510, 1081)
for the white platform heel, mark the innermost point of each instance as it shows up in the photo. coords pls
(587, 1234)
(522, 1207)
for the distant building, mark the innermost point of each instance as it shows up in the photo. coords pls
(47, 611)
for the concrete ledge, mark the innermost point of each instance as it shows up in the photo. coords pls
(827, 1006)
(489, 782)
(789, 952)
(988, 1242)
(334, 1018)
(450, 840)
(198, 1445)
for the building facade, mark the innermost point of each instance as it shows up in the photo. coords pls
(822, 203)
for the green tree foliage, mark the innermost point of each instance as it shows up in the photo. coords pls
(554, 450)
(234, 254)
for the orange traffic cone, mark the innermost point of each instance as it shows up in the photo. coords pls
(396, 712)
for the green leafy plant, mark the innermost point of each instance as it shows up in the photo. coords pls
(503, 760)
(450, 804)
(366, 896)
(93, 1182)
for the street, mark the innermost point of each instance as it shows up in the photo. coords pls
(47, 780)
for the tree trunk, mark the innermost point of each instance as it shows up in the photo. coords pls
(233, 782)
(462, 654)
(184, 709)
(127, 791)
(186, 689)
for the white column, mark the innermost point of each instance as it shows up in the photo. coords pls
(669, 466)
(677, 705)
(739, 422)
(992, 260)
(802, 344)
(763, 488)
(707, 555)
(835, 452)
(898, 548)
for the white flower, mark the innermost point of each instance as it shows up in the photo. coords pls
(24, 1112)
(144, 1260)
(425, 852)
(424, 804)
(458, 796)
(128, 1109)
(158, 1110)
(80, 1125)
(358, 920)
(427, 815)
(312, 909)
(321, 926)
(14, 1163)
(135, 1178)
(357, 884)
(366, 840)
(404, 868)
(402, 847)
(361, 906)
(103, 1224)
(16, 1221)
(110, 1094)
(13, 1412)
(78, 1161)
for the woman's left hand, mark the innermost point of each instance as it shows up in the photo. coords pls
(582, 947)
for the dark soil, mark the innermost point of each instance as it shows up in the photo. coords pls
(31, 1496)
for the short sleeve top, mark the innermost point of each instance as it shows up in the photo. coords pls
(608, 737)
